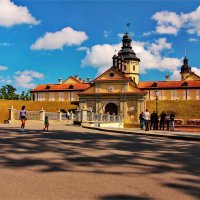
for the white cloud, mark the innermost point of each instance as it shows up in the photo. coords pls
(5, 44)
(148, 33)
(106, 33)
(196, 70)
(25, 78)
(159, 45)
(193, 21)
(171, 22)
(11, 14)
(67, 36)
(100, 56)
(167, 22)
(192, 40)
(175, 75)
(83, 49)
(3, 68)
(6, 80)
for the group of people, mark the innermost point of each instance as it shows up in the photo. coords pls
(23, 119)
(156, 120)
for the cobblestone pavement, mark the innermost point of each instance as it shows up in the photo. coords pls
(77, 163)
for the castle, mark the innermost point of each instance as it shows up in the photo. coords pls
(119, 90)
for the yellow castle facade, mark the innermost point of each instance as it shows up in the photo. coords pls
(119, 90)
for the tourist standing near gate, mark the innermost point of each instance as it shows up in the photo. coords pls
(155, 125)
(171, 122)
(152, 120)
(162, 120)
(23, 118)
(146, 120)
(167, 118)
(141, 118)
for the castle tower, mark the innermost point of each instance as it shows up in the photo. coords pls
(127, 60)
(185, 69)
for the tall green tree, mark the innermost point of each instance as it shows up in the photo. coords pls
(25, 95)
(8, 92)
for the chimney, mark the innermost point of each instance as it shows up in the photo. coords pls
(167, 77)
(80, 79)
(60, 81)
(76, 77)
(88, 79)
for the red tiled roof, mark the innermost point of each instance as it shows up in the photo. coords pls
(53, 87)
(168, 84)
(113, 93)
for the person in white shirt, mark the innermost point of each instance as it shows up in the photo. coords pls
(146, 120)
(23, 117)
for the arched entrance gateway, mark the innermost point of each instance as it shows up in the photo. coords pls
(111, 108)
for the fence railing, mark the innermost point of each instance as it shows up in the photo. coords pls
(103, 117)
(77, 117)
(32, 115)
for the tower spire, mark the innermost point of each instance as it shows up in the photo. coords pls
(127, 26)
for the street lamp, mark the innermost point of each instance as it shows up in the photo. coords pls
(157, 94)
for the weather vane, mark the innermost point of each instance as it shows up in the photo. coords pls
(185, 52)
(127, 26)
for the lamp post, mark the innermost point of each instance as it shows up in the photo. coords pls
(157, 94)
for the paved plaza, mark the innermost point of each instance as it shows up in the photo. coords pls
(71, 162)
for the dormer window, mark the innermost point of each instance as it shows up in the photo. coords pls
(185, 84)
(47, 87)
(71, 87)
(111, 74)
(154, 84)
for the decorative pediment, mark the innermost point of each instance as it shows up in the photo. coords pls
(111, 74)
(71, 80)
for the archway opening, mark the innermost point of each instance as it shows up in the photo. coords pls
(111, 108)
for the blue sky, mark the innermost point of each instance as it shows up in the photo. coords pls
(42, 40)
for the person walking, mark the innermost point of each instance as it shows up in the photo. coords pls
(141, 118)
(146, 119)
(167, 118)
(162, 120)
(171, 121)
(46, 123)
(156, 118)
(23, 118)
(152, 120)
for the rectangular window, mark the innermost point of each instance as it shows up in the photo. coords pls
(41, 96)
(51, 96)
(61, 96)
(133, 67)
(197, 94)
(124, 67)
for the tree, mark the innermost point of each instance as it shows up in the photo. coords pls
(25, 95)
(8, 92)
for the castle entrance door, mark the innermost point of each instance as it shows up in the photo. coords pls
(111, 108)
